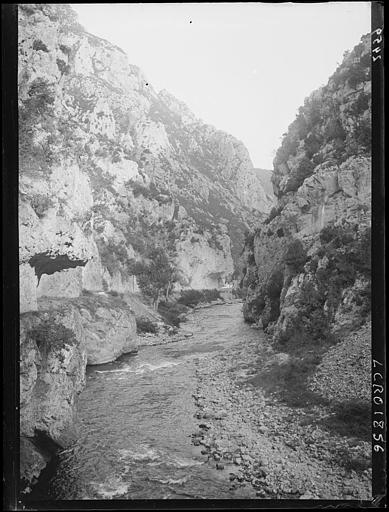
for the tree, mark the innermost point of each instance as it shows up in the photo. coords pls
(156, 276)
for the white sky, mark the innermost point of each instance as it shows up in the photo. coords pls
(243, 67)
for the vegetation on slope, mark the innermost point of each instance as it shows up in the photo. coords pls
(333, 124)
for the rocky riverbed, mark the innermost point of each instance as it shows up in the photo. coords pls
(262, 443)
(165, 334)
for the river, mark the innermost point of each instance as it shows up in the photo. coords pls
(136, 418)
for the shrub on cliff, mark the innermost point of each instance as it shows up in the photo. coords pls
(63, 67)
(156, 275)
(49, 336)
(348, 257)
(328, 233)
(145, 325)
(140, 189)
(321, 124)
(194, 297)
(41, 203)
(347, 249)
(362, 135)
(312, 144)
(267, 300)
(37, 108)
(172, 312)
(356, 74)
(249, 239)
(360, 105)
(274, 212)
(190, 297)
(149, 192)
(288, 148)
(38, 45)
(333, 129)
(211, 295)
(115, 257)
(295, 256)
(312, 317)
(238, 293)
(274, 284)
(56, 12)
(41, 97)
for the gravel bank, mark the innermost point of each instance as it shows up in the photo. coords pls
(344, 373)
(265, 445)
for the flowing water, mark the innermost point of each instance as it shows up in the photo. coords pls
(136, 417)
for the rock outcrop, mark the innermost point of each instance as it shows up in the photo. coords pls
(52, 374)
(56, 344)
(307, 266)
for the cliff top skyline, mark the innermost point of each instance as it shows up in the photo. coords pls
(215, 55)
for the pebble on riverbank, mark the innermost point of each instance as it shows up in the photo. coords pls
(273, 450)
(344, 373)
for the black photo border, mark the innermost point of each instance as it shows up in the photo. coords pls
(10, 187)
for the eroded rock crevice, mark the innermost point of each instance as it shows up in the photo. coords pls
(46, 263)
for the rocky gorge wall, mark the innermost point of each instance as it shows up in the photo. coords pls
(108, 169)
(307, 266)
(105, 159)
(56, 343)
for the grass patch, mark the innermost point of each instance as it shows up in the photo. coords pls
(289, 380)
(350, 419)
(294, 379)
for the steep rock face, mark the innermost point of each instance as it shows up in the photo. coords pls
(53, 361)
(308, 265)
(105, 159)
(107, 324)
(52, 374)
(204, 262)
(56, 344)
(109, 328)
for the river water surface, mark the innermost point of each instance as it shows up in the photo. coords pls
(136, 417)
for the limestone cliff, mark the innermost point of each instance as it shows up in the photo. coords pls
(108, 169)
(307, 266)
(52, 374)
(105, 159)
